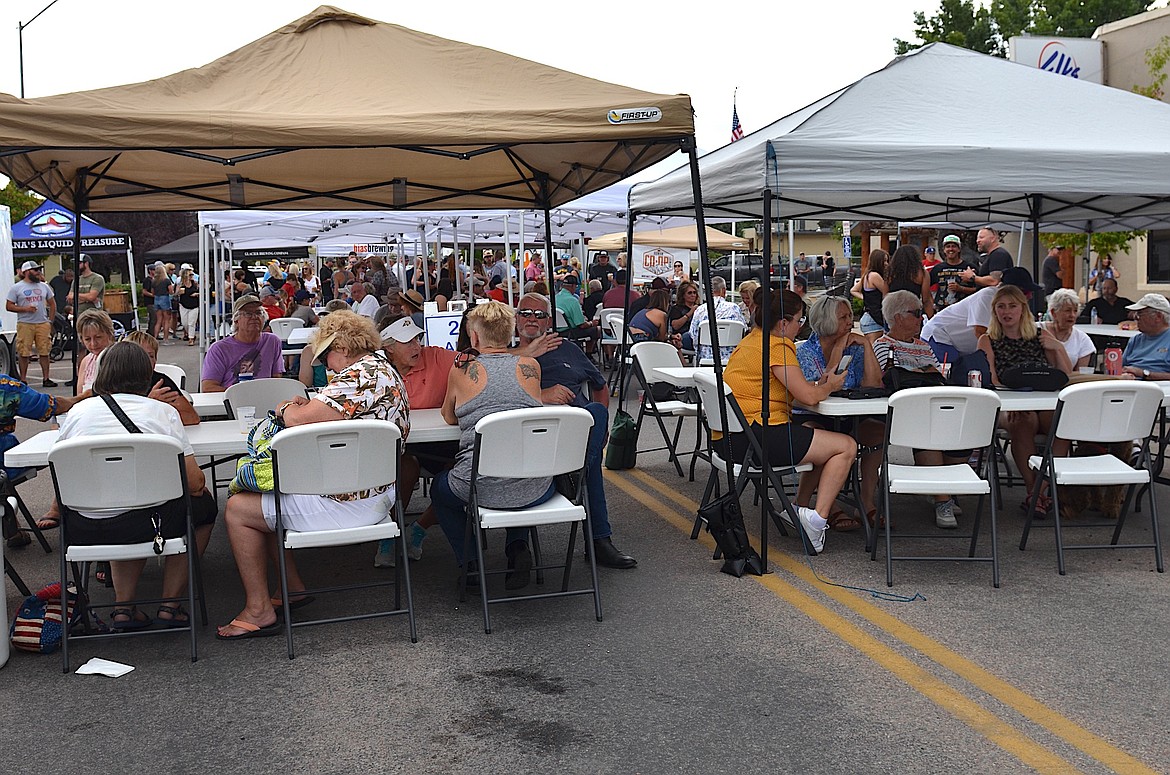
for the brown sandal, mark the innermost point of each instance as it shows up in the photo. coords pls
(840, 522)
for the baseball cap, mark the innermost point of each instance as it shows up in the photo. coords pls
(84, 259)
(302, 295)
(187, 266)
(267, 291)
(158, 265)
(952, 238)
(657, 283)
(27, 265)
(320, 345)
(244, 301)
(402, 330)
(930, 251)
(1152, 301)
(1022, 279)
(569, 280)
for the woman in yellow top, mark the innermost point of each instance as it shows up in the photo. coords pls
(788, 443)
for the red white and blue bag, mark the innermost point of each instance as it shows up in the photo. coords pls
(38, 625)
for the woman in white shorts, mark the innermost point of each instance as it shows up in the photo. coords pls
(363, 384)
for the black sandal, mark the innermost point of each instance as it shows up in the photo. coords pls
(173, 612)
(132, 621)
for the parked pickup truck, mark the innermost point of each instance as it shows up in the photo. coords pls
(747, 266)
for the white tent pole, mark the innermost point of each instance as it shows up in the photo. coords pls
(400, 264)
(133, 282)
(520, 267)
(471, 264)
(508, 254)
(791, 253)
(1020, 249)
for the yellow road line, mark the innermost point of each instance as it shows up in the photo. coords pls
(1020, 701)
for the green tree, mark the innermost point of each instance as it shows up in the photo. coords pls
(987, 28)
(1156, 60)
(20, 202)
(1104, 243)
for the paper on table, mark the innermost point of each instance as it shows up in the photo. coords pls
(99, 666)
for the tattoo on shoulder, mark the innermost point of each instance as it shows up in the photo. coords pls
(473, 371)
(528, 371)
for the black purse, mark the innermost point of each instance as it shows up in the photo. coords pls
(896, 378)
(725, 524)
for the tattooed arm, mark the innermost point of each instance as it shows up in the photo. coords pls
(528, 374)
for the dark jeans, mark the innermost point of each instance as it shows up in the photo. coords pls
(452, 513)
(594, 483)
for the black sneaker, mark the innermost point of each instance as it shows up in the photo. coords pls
(48, 383)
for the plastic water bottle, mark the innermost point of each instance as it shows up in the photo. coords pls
(1093, 316)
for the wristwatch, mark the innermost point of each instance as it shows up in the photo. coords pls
(1145, 373)
(280, 410)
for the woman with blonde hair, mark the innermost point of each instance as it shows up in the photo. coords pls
(363, 385)
(1013, 340)
(488, 378)
(162, 287)
(747, 300)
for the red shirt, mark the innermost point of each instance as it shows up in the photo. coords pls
(426, 383)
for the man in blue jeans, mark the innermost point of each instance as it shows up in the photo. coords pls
(567, 377)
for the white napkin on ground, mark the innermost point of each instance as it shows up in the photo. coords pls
(99, 666)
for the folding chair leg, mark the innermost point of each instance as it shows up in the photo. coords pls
(32, 523)
(404, 564)
(282, 567)
(483, 596)
(16, 579)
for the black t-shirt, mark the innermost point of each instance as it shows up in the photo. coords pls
(61, 288)
(940, 275)
(995, 261)
(590, 303)
(189, 299)
(1048, 276)
(1107, 314)
(601, 272)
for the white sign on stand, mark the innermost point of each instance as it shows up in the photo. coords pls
(650, 262)
(443, 329)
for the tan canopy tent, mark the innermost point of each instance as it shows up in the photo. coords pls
(676, 237)
(337, 111)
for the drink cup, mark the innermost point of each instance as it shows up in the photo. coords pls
(945, 370)
(246, 417)
(1085, 369)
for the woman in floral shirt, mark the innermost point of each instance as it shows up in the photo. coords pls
(363, 385)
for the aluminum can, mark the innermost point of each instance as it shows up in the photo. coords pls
(975, 378)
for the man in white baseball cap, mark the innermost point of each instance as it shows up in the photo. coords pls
(424, 371)
(1147, 356)
(32, 301)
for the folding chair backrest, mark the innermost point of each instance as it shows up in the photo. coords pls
(176, 373)
(607, 314)
(326, 458)
(1108, 412)
(943, 418)
(559, 316)
(705, 384)
(121, 471)
(264, 394)
(531, 443)
(730, 332)
(282, 327)
(457, 305)
(654, 355)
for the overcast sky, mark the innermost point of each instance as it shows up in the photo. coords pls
(781, 55)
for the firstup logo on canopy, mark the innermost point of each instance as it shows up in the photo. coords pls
(1079, 58)
(634, 115)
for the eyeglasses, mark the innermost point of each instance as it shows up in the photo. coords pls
(246, 314)
(321, 356)
(914, 312)
(539, 314)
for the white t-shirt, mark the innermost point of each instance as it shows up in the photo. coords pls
(92, 417)
(954, 325)
(1078, 345)
(368, 306)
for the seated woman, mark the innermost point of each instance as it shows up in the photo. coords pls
(1063, 307)
(363, 385)
(650, 325)
(832, 338)
(904, 347)
(126, 376)
(1012, 340)
(788, 443)
(686, 301)
(747, 299)
(488, 378)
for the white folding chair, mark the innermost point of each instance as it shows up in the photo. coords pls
(282, 327)
(746, 470)
(328, 458)
(263, 395)
(123, 471)
(648, 356)
(942, 418)
(730, 332)
(541, 442)
(611, 336)
(176, 373)
(1101, 413)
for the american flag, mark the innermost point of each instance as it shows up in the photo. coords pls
(736, 129)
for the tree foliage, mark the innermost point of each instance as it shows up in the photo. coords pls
(1156, 60)
(987, 28)
(20, 202)
(1104, 243)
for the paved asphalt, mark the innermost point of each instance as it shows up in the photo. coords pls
(691, 671)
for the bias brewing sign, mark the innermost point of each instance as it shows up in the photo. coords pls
(1079, 58)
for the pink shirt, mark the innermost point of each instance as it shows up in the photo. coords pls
(426, 383)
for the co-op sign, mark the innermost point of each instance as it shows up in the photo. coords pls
(1079, 58)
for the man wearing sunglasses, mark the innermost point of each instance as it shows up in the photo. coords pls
(567, 377)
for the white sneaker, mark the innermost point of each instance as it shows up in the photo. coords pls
(816, 535)
(385, 557)
(944, 515)
(418, 534)
(958, 510)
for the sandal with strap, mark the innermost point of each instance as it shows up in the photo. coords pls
(132, 620)
(840, 522)
(175, 616)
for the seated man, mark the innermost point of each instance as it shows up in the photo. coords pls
(249, 353)
(424, 373)
(1147, 356)
(579, 329)
(724, 310)
(1111, 308)
(568, 377)
(19, 400)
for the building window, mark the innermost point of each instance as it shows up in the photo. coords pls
(1158, 257)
